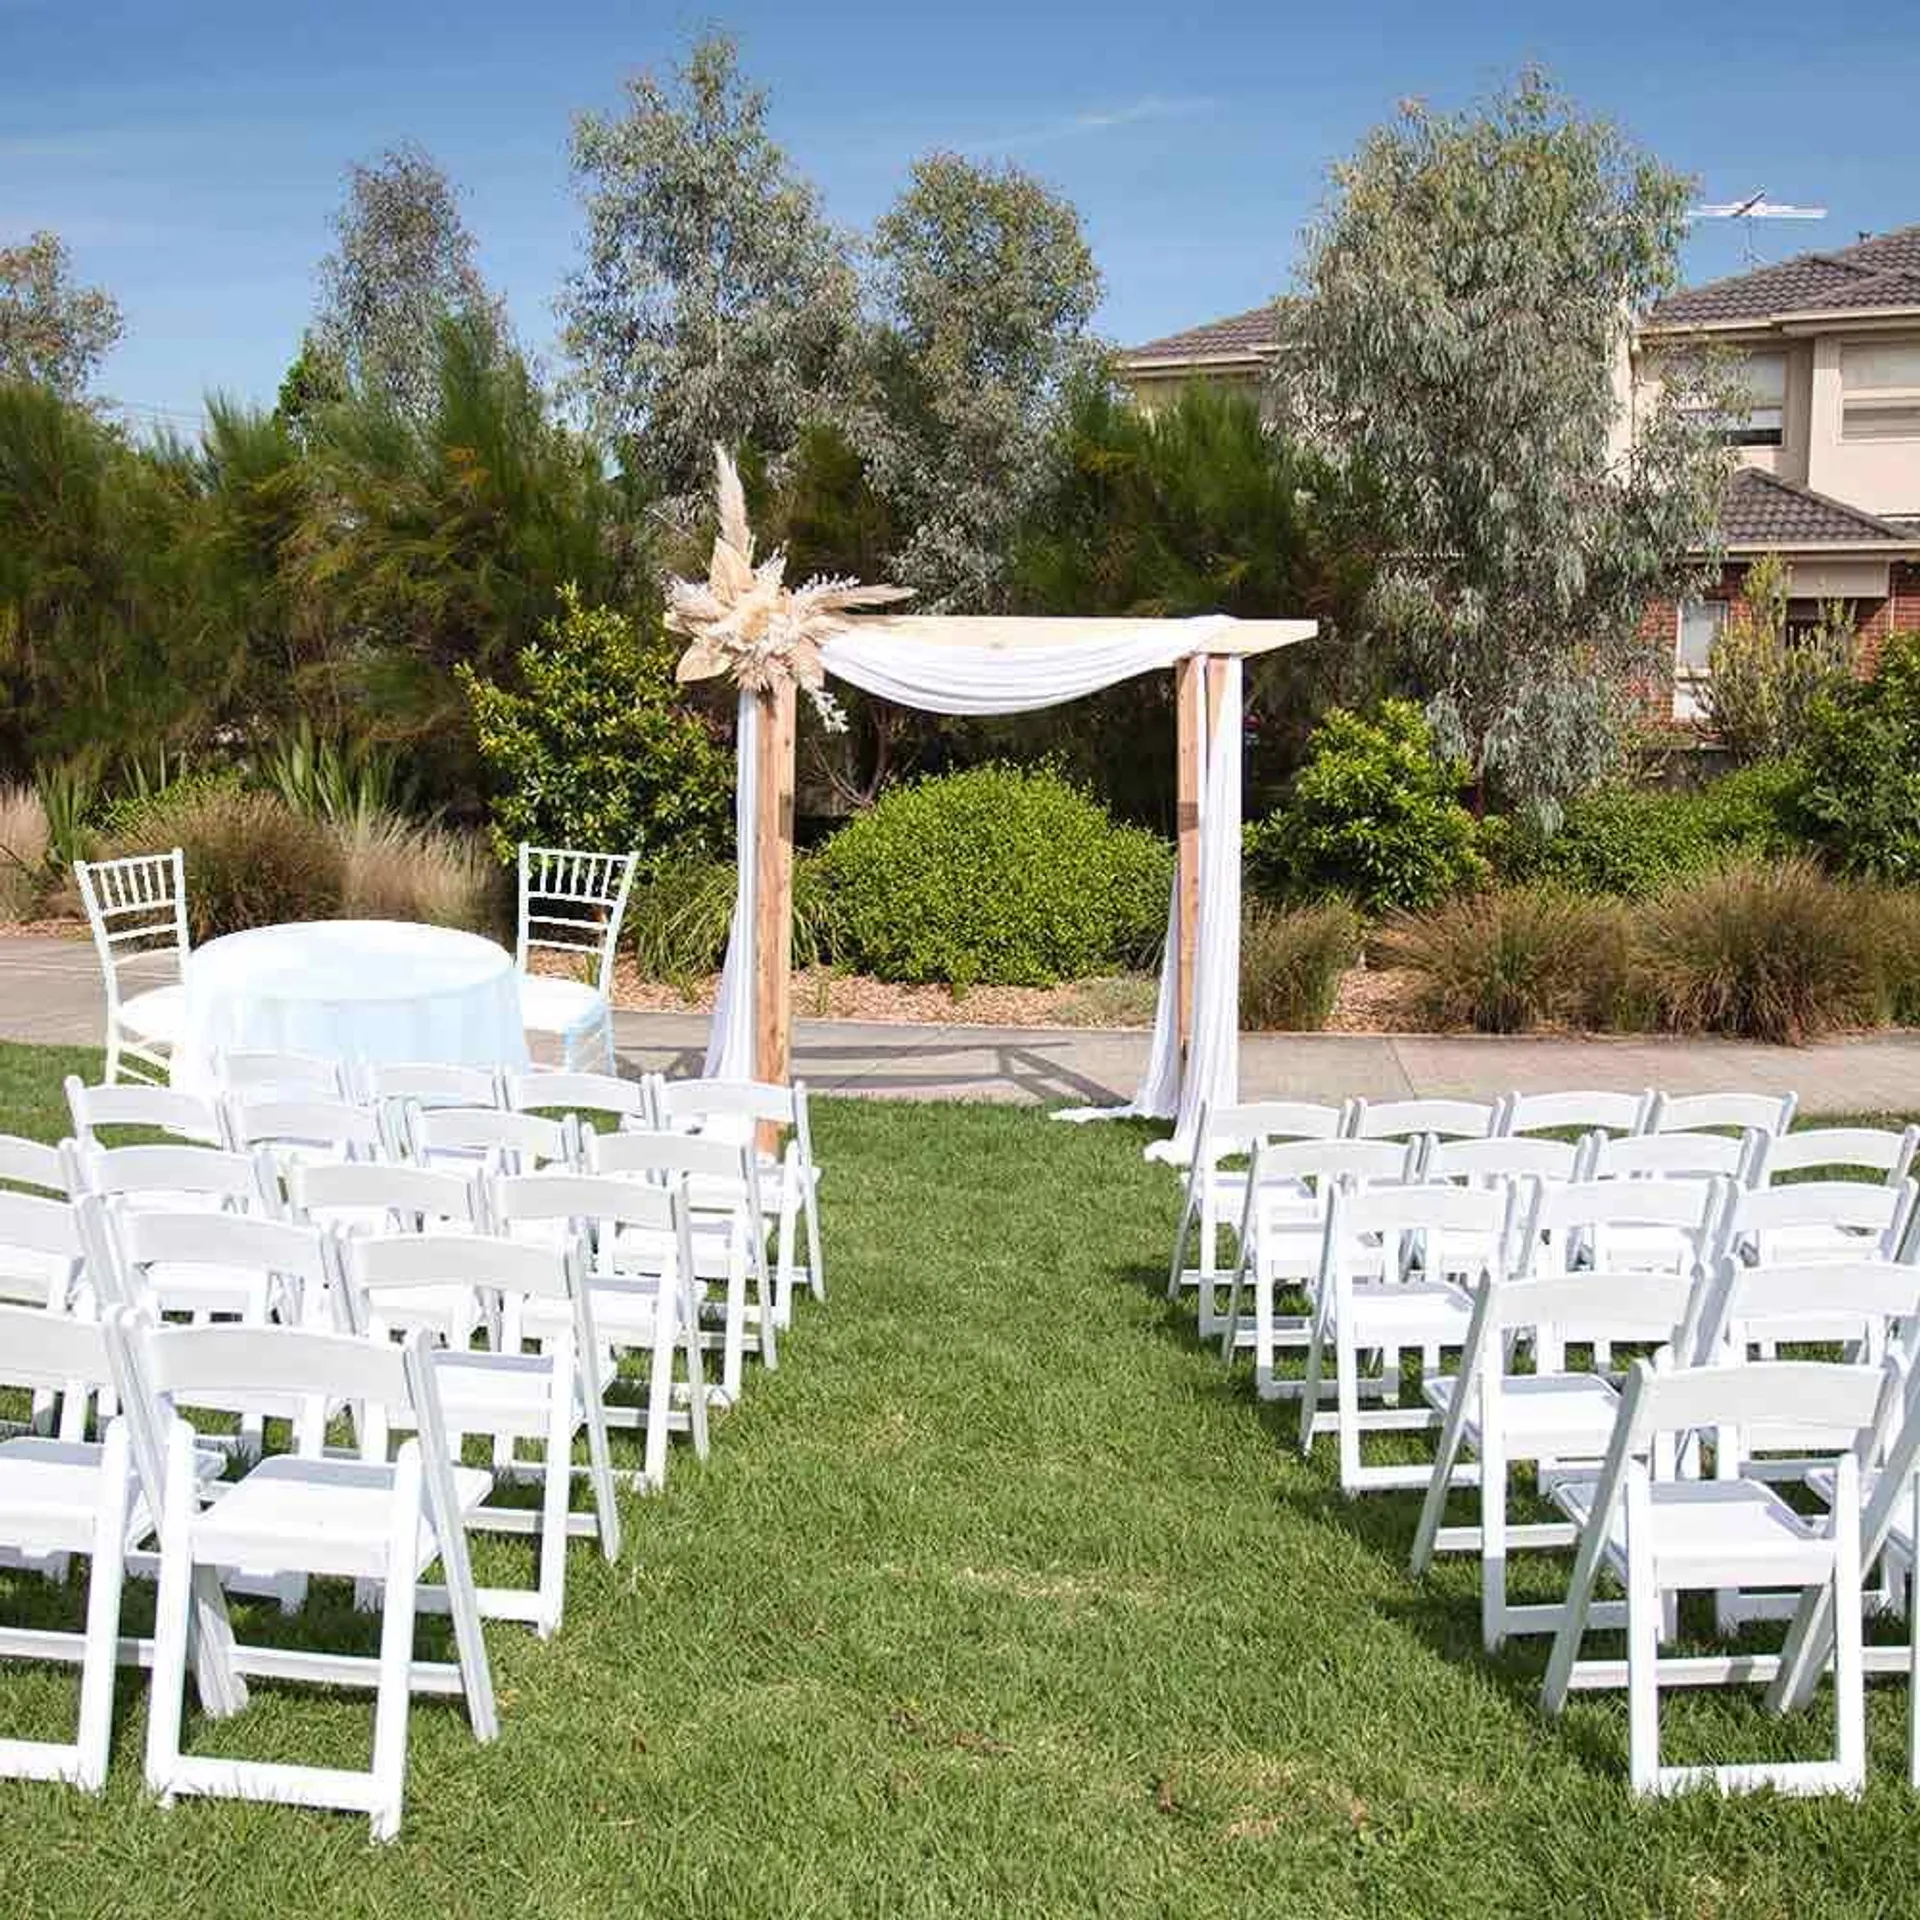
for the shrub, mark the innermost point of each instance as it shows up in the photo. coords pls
(1861, 795)
(1502, 962)
(1894, 913)
(1372, 814)
(994, 875)
(594, 749)
(1762, 686)
(392, 869)
(681, 913)
(1291, 964)
(330, 778)
(23, 852)
(1632, 841)
(251, 861)
(1780, 953)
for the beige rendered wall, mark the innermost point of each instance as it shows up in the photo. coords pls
(1882, 476)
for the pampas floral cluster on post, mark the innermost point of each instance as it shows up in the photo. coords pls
(746, 622)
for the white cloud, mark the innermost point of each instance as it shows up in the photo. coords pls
(1076, 126)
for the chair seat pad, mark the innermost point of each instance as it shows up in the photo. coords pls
(317, 1516)
(1409, 1313)
(1711, 1533)
(502, 1392)
(549, 1004)
(1552, 1413)
(155, 1014)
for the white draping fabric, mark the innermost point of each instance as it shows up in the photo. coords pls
(963, 679)
(354, 990)
(939, 678)
(730, 1042)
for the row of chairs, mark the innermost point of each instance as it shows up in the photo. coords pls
(571, 905)
(180, 1310)
(1532, 1265)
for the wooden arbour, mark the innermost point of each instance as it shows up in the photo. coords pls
(1199, 679)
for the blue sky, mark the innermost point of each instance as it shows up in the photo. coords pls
(191, 153)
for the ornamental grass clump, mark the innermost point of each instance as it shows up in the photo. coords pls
(1506, 962)
(1779, 953)
(1291, 965)
(396, 869)
(23, 852)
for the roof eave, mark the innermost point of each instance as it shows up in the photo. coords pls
(1825, 549)
(1250, 359)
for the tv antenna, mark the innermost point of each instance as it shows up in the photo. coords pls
(1756, 206)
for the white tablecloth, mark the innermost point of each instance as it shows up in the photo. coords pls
(357, 990)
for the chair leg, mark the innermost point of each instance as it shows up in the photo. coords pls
(394, 1694)
(555, 1490)
(1310, 1387)
(105, 1576)
(1643, 1646)
(167, 1696)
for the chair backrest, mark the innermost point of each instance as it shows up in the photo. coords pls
(1506, 1157)
(1825, 1218)
(135, 1105)
(375, 1195)
(1788, 1303)
(573, 902)
(721, 1176)
(547, 1091)
(593, 1200)
(1622, 1225)
(296, 1127)
(1459, 1229)
(41, 1249)
(186, 1173)
(134, 906)
(32, 1163)
(52, 1351)
(431, 1083)
(142, 1244)
(1588, 1109)
(1676, 1156)
(1757, 1396)
(1321, 1165)
(1404, 1119)
(1880, 1149)
(519, 1142)
(1246, 1124)
(284, 1076)
(1695, 1112)
(383, 1264)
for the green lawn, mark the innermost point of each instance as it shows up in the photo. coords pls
(1000, 1597)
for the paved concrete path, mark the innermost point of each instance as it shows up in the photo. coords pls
(50, 994)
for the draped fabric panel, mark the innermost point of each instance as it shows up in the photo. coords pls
(961, 679)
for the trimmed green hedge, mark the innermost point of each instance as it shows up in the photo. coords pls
(997, 875)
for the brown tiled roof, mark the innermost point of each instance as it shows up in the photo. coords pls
(1253, 332)
(1881, 272)
(1761, 510)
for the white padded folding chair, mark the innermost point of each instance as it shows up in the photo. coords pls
(1808, 1221)
(174, 1178)
(40, 1250)
(513, 1393)
(1677, 1156)
(544, 1090)
(1280, 1234)
(59, 1498)
(726, 1228)
(390, 1087)
(1700, 1112)
(571, 903)
(652, 1311)
(137, 910)
(139, 1104)
(1881, 1150)
(366, 1520)
(1660, 1535)
(751, 1110)
(1371, 1297)
(470, 1138)
(1585, 1110)
(1422, 1119)
(259, 1074)
(1215, 1195)
(1499, 1417)
(33, 1166)
(290, 1131)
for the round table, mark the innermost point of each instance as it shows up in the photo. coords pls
(354, 990)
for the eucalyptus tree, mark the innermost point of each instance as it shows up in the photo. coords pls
(1473, 286)
(52, 331)
(715, 304)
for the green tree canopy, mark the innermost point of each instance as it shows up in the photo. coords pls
(1473, 284)
(51, 331)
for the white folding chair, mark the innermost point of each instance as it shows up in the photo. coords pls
(391, 1087)
(34, 1166)
(467, 1138)
(1698, 1112)
(1215, 1195)
(652, 1311)
(1508, 1158)
(175, 1178)
(1371, 1297)
(139, 1104)
(1498, 1418)
(1417, 1119)
(40, 1250)
(1677, 1156)
(1879, 1150)
(726, 1229)
(59, 1498)
(510, 1393)
(137, 910)
(571, 903)
(1659, 1535)
(1280, 1231)
(281, 1076)
(290, 1131)
(1819, 1220)
(548, 1090)
(755, 1110)
(360, 1519)
(1585, 1110)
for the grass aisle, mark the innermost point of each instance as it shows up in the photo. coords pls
(1000, 1597)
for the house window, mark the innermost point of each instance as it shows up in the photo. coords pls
(1880, 391)
(1700, 624)
(1762, 422)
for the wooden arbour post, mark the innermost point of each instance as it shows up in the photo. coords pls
(773, 887)
(1200, 685)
